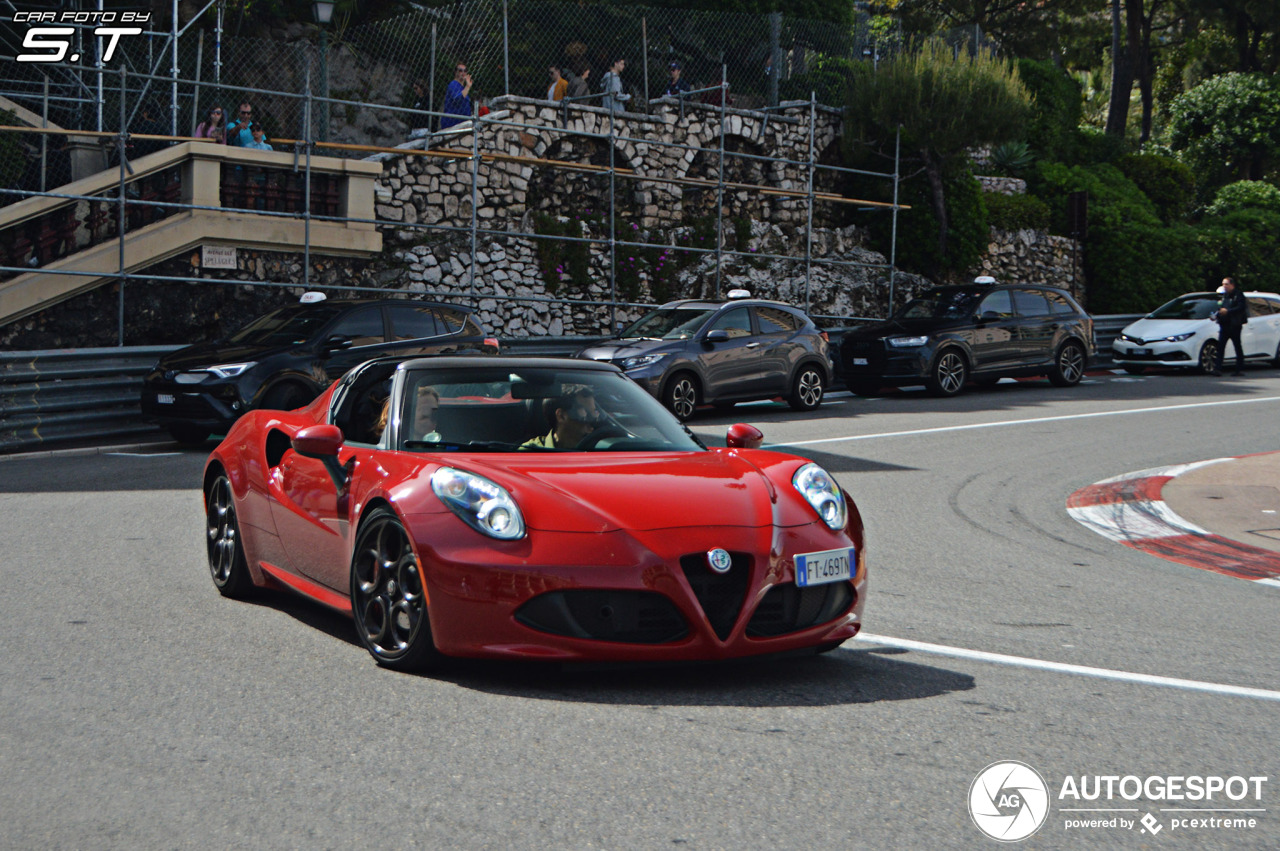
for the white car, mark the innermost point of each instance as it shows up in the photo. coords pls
(1182, 333)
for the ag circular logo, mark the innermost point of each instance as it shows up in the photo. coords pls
(1008, 801)
(719, 560)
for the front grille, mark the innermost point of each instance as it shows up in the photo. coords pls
(719, 595)
(790, 608)
(872, 350)
(633, 617)
(185, 404)
(1166, 356)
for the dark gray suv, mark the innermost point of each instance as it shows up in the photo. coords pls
(688, 353)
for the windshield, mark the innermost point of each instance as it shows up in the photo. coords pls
(287, 326)
(941, 304)
(1187, 307)
(519, 409)
(668, 323)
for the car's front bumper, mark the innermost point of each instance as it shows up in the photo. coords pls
(479, 591)
(215, 406)
(1158, 353)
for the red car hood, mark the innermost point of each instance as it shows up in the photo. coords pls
(594, 493)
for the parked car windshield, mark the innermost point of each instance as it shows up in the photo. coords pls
(534, 409)
(941, 304)
(1187, 307)
(286, 325)
(671, 323)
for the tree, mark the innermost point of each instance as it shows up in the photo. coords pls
(945, 103)
(1229, 127)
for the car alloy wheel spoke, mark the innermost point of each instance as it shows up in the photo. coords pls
(684, 397)
(221, 526)
(1071, 367)
(810, 389)
(388, 586)
(950, 373)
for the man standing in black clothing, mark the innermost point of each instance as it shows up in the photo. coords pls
(1233, 313)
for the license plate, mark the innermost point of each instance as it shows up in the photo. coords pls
(164, 398)
(821, 568)
(1142, 351)
(859, 361)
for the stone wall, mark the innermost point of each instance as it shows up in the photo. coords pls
(1034, 257)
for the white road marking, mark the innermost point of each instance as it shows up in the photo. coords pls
(1273, 582)
(1128, 521)
(1064, 668)
(1033, 421)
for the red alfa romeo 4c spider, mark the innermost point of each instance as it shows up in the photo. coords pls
(535, 509)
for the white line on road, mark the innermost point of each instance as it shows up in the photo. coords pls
(1033, 421)
(1064, 668)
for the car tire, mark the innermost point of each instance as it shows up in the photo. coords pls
(863, 388)
(1068, 365)
(681, 395)
(948, 373)
(806, 390)
(227, 563)
(389, 596)
(1135, 370)
(1208, 354)
(187, 434)
(1275, 361)
(287, 396)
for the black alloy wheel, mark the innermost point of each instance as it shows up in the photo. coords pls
(388, 596)
(1208, 356)
(681, 396)
(227, 563)
(806, 392)
(1068, 365)
(949, 373)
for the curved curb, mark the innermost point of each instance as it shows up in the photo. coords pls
(1129, 509)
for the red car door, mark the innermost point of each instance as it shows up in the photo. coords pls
(313, 519)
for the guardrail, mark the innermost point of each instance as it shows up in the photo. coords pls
(62, 395)
(73, 394)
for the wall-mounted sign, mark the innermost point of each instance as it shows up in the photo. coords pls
(218, 257)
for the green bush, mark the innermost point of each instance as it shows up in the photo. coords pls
(1167, 182)
(1228, 127)
(1114, 199)
(1245, 195)
(827, 79)
(1091, 146)
(1056, 107)
(1242, 243)
(1016, 212)
(967, 231)
(1134, 267)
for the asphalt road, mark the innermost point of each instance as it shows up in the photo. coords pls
(143, 710)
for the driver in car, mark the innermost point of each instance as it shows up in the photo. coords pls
(573, 415)
(424, 416)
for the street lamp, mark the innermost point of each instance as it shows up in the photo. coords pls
(323, 10)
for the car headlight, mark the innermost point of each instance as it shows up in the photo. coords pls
(822, 492)
(1178, 338)
(230, 370)
(639, 361)
(483, 505)
(906, 342)
(1129, 339)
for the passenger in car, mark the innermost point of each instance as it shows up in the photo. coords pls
(572, 415)
(424, 417)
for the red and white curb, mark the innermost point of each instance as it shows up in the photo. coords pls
(1130, 510)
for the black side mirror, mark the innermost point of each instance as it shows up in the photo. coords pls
(336, 342)
(719, 335)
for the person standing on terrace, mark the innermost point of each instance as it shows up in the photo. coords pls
(457, 97)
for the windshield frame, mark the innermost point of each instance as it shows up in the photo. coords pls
(704, 315)
(621, 402)
(1210, 299)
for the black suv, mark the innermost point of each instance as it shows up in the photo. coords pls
(687, 353)
(977, 331)
(285, 359)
